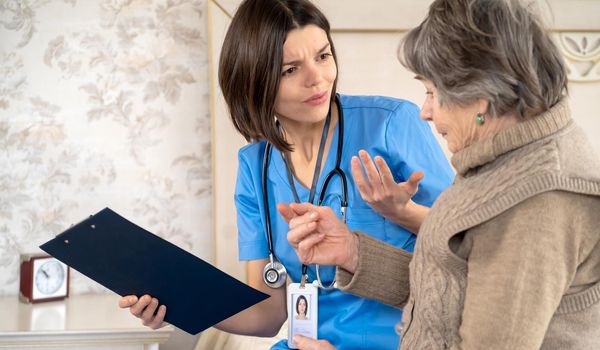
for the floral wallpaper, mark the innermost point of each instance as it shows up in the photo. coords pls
(103, 103)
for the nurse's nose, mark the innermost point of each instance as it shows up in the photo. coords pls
(314, 76)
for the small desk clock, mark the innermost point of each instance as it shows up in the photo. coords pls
(43, 278)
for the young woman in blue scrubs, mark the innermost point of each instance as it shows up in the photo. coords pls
(278, 75)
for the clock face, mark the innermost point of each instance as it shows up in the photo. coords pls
(50, 278)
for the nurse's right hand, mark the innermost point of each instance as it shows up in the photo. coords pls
(145, 308)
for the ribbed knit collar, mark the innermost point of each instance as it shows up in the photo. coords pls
(533, 129)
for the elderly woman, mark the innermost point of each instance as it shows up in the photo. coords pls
(509, 256)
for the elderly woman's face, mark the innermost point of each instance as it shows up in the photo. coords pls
(455, 123)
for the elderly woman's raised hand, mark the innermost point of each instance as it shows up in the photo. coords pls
(319, 237)
(379, 189)
(145, 308)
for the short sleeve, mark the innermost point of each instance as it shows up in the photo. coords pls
(252, 241)
(413, 147)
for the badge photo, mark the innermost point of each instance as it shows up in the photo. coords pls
(43, 278)
(303, 310)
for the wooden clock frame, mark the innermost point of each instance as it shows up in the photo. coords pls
(27, 279)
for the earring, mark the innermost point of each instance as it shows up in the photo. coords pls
(480, 119)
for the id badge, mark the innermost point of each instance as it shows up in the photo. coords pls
(303, 311)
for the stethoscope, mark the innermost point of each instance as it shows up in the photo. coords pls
(274, 273)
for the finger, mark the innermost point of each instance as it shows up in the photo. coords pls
(300, 220)
(148, 313)
(387, 178)
(299, 233)
(137, 309)
(413, 182)
(157, 322)
(370, 170)
(305, 245)
(359, 178)
(302, 208)
(286, 212)
(127, 301)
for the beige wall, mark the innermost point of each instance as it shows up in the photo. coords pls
(366, 35)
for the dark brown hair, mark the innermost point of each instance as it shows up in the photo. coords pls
(491, 49)
(251, 62)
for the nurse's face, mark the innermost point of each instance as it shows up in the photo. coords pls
(455, 123)
(302, 307)
(307, 76)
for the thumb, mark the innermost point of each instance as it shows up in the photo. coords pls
(413, 182)
(304, 343)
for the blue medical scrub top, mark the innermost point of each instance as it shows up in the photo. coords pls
(383, 126)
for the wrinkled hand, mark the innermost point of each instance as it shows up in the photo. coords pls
(319, 237)
(380, 191)
(144, 308)
(305, 343)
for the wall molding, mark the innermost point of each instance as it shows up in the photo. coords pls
(582, 54)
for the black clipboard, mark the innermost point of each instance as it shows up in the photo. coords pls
(129, 260)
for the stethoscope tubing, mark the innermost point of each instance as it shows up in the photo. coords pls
(337, 170)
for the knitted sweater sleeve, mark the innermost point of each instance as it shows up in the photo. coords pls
(519, 266)
(381, 274)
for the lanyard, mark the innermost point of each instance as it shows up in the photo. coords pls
(313, 187)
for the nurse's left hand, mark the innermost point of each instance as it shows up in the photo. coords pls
(305, 343)
(379, 189)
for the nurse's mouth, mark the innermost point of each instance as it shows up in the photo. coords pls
(317, 99)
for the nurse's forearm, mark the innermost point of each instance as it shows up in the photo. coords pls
(263, 319)
(411, 216)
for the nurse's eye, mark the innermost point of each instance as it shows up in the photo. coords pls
(289, 71)
(325, 56)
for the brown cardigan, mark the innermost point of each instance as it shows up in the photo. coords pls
(509, 255)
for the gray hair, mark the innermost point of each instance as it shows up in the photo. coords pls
(496, 50)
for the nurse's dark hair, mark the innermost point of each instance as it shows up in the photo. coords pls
(251, 62)
(497, 50)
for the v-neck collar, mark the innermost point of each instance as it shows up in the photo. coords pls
(303, 192)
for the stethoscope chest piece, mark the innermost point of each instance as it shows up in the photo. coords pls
(274, 274)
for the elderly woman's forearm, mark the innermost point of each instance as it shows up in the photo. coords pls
(382, 273)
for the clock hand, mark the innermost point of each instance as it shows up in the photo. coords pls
(45, 273)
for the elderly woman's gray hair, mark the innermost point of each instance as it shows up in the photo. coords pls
(491, 49)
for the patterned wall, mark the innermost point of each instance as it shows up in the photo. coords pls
(102, 103)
